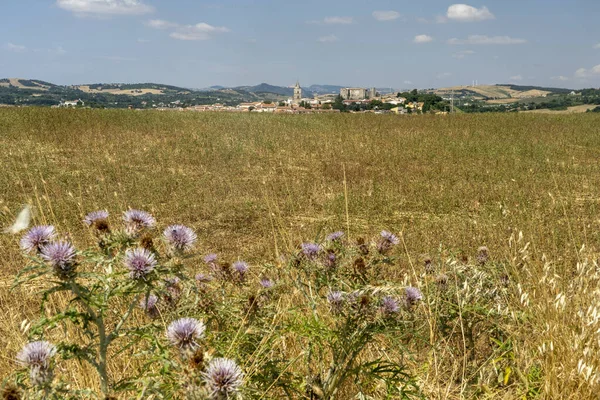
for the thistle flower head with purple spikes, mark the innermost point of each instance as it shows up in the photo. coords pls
(61, 256)
(185, 332)
(210, 258)
(331, 259)
(37, 237)
(412, 296)
(136, 220)
(240, 268)
(203, 278)
(386, 241)
(98, 219)
(140, 262)
(335, 236)
(149, 304)
(336, 300)
(37, 356)
(180, 237)
(389, 306)
(223, 378)
(266, 283)
(311, 250)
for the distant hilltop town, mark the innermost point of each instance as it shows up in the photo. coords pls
(325, 103)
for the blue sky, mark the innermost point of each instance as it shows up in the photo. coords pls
(383, 43)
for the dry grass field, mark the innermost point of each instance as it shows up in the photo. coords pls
(254, 186)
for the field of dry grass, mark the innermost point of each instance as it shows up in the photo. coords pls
(526, 186)
(570, 110)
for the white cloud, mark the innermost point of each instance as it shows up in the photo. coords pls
(338, 20)
(105, 7)
(328, 39)
(408, 82)
(483, 39)
(462, 54)
(200, 31)
(423, 39)
(597, 46)
(516, 78)
(466, 13)
(386, 15)
(583, 73)
(559, 78)
(16, 48)
(444, 75)
(161, 24)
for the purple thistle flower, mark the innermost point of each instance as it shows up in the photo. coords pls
(95, 216)
(37, 356)
(61, 256)
(223, 378)
(136, 220)
(331, 259)
(266, 283)
(240, 268)
(389, 237)
(332, 237)
(180, 237)
(389, 306)
(203, 278)
(37, 237)
(184, 333)
(336, 300)
(140, 262)
(412, 296)
(386, 242)
(311, 250)
(149, 304)
(210, 258)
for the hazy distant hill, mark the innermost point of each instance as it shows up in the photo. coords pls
(265, 88)
(498, 92)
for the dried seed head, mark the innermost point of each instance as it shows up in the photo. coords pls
(11, 392)
(223, 378)
(37, 237)
(362, 246)
(441, 280)
(428, 262)
(482, 255)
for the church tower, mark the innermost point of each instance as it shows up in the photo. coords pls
(297, 93)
